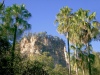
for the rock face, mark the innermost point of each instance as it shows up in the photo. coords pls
(41, 42)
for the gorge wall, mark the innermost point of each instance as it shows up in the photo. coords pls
(41, 42)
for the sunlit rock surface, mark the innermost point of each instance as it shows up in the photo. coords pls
(41, 42)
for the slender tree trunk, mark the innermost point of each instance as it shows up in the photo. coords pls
(89, 63)
(76, 69)
(12, 52)
(76, 61)
(68, 53)
(83, 71)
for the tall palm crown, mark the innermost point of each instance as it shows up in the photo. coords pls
(87, 25)
(16, 15)
(64, 20)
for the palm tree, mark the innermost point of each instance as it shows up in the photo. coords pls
(75, 38)
(64, 20)
(15, 20)
(88, 29)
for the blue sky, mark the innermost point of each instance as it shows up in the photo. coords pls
(44, 13)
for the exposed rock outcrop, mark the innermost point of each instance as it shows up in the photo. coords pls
(41, 42)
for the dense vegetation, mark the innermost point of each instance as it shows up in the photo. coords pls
(80, 28)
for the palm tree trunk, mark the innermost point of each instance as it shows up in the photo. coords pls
(83, 69)
(76, 69)
(76, 61)
(68, 53)
(12, 52)
(89, 64)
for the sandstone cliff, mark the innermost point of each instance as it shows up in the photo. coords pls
(41, 42)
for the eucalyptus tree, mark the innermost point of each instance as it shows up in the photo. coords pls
(64, 21)
(88, 29)
(14, 22)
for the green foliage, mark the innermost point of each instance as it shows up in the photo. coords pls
(4, 45)
(5, 58)
(59, 70)
(35, 69)
(5, 66)
(96, 65)
(38, 64)
(11, 16)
